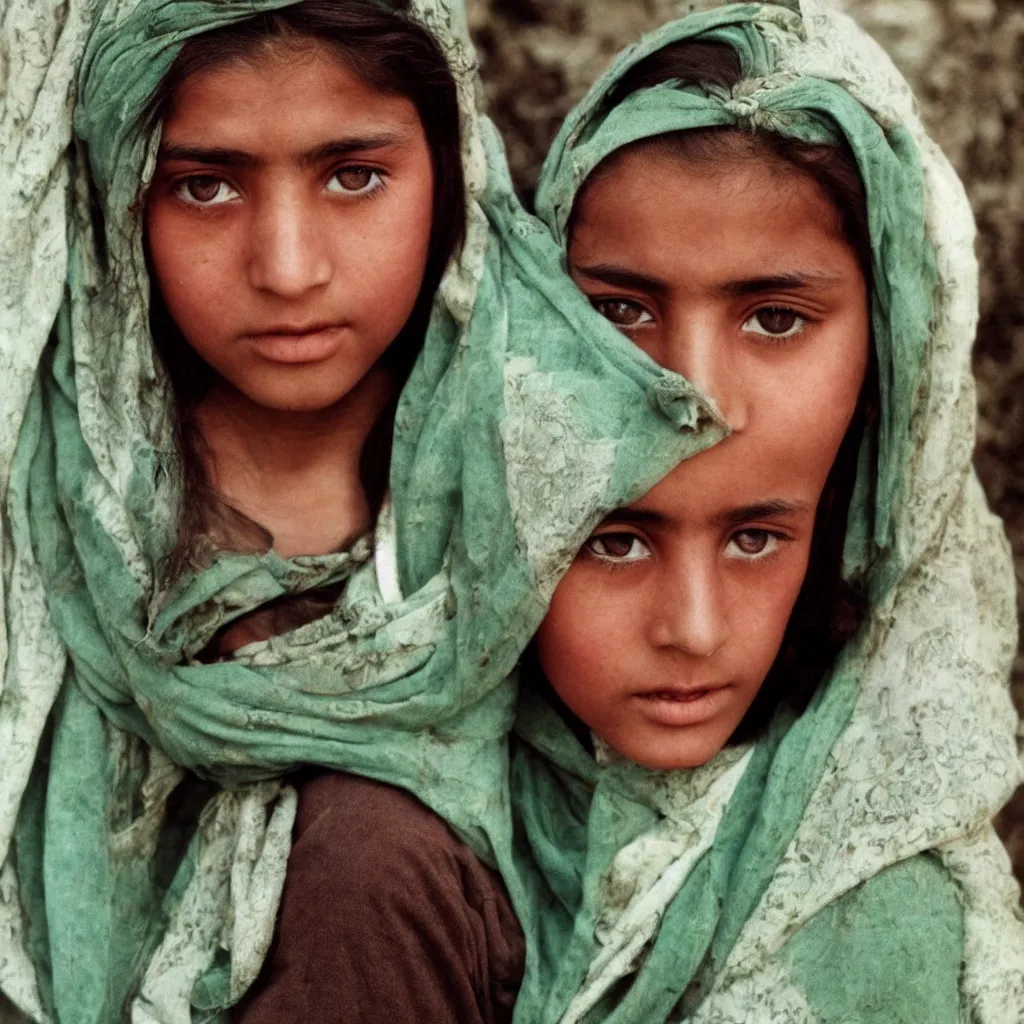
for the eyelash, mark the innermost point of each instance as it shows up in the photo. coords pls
(377, 184)
(610, 561)
(802, 322)
(616, 564)
(765, 337)
(774, 540)
(370, 190)
(598, 302)
(179, 189)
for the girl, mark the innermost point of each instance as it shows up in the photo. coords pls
(306, 197)
(750, 196)
(289, 307)
(231, 204)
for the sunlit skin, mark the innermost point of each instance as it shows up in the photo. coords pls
(735, 274)
(288, 226)
(663, 630)
(661, 633)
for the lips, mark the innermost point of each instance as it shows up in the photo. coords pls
(296, 345)
(313, 327)
(675, 706)
(685, 696)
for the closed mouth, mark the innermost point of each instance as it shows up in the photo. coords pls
(682, 696)
(679, 707)
(289, 347)
(291, 331)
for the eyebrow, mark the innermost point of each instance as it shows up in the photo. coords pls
(637, 517)
(802, 281)
(774, 508)
(621, 277)
(217, 156)
(357, 144)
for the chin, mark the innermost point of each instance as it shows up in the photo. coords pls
(669, 756)
(298, 397)
(670, 763)
(298, 404)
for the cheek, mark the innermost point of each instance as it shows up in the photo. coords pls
(814, 398)
(388, 258)
(559, 635)
(163, 245)
(189, 269)
(841, 371)
(761, 611)
(572, 642)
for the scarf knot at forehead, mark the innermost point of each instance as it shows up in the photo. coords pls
(749, 113)
(749, 104)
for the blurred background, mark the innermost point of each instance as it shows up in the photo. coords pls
(965, 59)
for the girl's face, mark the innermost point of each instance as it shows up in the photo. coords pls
(288, 223)
(666, 624)
(738, 277)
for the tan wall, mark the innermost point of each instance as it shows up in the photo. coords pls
(965, 58)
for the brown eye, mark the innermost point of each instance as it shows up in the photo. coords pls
(622, 313)
(775, 322)
(202, 188)
(752, 542)
(615, 545)
(618, 547)
(354, 179)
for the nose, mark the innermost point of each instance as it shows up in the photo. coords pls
(699, 351)
(690, 614)
(289, 253)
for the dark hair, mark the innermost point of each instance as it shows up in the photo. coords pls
(828, 609)
(393, 54)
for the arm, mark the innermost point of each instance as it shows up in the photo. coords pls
(385, 917)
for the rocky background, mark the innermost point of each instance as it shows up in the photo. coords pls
(966, 61)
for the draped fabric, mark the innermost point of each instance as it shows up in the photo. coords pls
(843, 867)
(145, 815)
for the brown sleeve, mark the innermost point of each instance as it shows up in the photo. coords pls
(386, 917)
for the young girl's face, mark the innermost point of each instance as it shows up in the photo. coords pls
(288, 223)
(669, 619)
(737, 276)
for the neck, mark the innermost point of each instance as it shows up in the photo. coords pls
(295, 473)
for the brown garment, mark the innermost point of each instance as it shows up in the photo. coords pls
(386, 918)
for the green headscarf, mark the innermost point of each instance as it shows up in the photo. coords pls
(843, 867)
(143, 789)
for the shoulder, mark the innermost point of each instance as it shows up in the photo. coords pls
(887, 952)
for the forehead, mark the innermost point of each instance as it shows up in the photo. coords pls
(743, 470)
(736, 214)
(279, 95)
